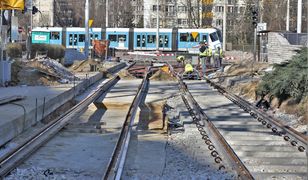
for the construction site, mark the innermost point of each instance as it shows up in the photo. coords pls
(153, 89)
(75, 111)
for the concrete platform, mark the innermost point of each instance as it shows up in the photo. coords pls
(15, 117)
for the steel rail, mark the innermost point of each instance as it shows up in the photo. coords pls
(265, 119)
(24, 150)
(212, 132)
(116, 163)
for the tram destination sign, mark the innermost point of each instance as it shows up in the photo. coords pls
(40, 37)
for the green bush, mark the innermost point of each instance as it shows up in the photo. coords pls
(53, 51)
(14, 50)
(287, 80)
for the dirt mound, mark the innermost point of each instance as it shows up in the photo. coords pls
(246, 68)
(32, 77)
(162, 76)
(40, 71)
(52, 68)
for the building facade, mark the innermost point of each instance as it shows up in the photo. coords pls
(46, 15)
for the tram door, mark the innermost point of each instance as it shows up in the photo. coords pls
(72, 40)
(163, 41)
(141, 41)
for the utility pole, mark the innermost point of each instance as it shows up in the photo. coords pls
(86, 44)
(288, 16)
(224, 25)
(157, 24)
(1, 53)
(299, 16)
(107, 10)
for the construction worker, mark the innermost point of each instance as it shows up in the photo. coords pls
(209, 56)
(203, 56)
(180, 60)
(189, 68)
(218, 57)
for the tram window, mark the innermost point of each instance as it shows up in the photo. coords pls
(192, 39)
(183, 37)
(219, 35)
(112, 37)
(70, 39)
(151, 38)
(95, 36)
(55, 35)
(204, 38)
(213, 36)
(121, 37)
(81, 37)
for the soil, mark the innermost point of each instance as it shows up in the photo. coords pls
(250, 73)
(162, 76)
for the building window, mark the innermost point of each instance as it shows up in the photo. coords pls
(242, 9)
(155, 8)
(219, 8)
(230, 9)
(182, 21)
(182, 9)
(218, 22)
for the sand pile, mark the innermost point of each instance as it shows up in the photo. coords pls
(162, 76)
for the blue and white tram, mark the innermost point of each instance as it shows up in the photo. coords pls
(133, 38)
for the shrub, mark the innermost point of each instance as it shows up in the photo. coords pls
(53, 51)
(287, 80)
(14, 50)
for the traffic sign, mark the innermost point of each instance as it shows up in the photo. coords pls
(90, 22)
(261, 27)
(194, 34)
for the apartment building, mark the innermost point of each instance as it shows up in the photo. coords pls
(234, 9)
(46, 15)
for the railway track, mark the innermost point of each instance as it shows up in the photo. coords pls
(261, 147)
(12, 159)
(116, 164)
